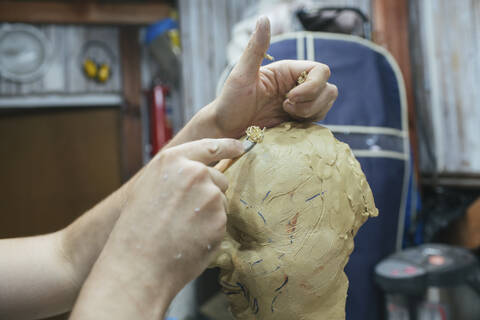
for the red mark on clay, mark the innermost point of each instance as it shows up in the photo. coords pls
(318, 269)
(292, 224)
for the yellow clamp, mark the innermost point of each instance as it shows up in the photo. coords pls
(94, 71)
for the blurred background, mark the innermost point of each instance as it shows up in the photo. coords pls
(90, 90)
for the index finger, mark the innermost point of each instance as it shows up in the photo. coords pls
(210, 150)
(317, 77)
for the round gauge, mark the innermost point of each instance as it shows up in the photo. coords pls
(24, 52)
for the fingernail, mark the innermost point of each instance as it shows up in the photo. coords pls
(260, 20)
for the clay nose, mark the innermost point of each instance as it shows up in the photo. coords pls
(223, 258)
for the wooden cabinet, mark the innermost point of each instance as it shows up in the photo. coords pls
(54, 165)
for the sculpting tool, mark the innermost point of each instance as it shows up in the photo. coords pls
(254, 135)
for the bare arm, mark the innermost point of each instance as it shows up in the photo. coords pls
(35, 281)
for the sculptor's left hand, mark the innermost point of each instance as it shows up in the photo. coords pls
(266, 96)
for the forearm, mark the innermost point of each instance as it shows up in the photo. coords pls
(83, 240)
(35, 280)
(42, 275)
(202, 125)
(120, 286)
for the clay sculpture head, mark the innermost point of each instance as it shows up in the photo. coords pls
(295, 202)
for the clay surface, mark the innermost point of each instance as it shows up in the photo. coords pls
(295, 202)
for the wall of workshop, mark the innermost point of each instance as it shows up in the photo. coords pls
(445, 38)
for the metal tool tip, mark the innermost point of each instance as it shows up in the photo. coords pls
(247, 145)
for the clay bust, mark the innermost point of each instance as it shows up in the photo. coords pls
(295, 202)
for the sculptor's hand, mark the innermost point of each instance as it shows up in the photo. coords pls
(171, 225)
(268, 95)
(175, 216)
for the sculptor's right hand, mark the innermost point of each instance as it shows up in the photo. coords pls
(171, 225)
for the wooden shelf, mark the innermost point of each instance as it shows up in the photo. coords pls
(82, 12)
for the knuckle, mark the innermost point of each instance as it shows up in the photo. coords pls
(303, 112)
(222, 220)
(202, 171)
(191, 168)
(213, 198)
(216, 196)
(317, 86)
(220, 226)
(196, 170)
(166, 156)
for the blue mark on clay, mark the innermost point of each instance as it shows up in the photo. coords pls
(244, 202)
(283, 284)
(313, 197)
(228, 293)
(231, 286)
(246, 294)
(255, 306)
(266, 196)
(258, 261)
(261, 215)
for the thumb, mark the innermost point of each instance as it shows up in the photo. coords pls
(251, 59)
